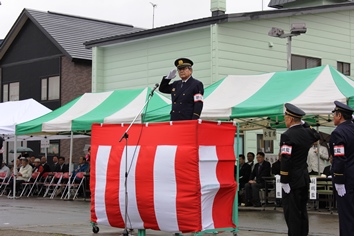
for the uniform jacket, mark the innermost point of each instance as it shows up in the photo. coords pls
(264, 171)
(184, 104)
(342, 149)
(276, 168)
(295, 144)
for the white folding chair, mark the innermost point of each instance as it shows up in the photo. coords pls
(32, 182)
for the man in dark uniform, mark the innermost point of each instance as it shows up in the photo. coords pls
(294, 146)
(341, 146)
(186, 94)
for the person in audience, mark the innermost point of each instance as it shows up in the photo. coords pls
(6, 169)
(18, 165)
(88, 155)
(22, 176)
(81, 167)
(61, 166)
(244, 176)
(30, 161)
(256, 182)
(55, 163)
(250, 160)
(45, 165)
(328, 169)
(38, 167)
(33, 157)
(317, 158)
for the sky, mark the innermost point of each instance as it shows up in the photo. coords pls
(139, 13)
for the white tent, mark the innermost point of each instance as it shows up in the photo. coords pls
(16, 112)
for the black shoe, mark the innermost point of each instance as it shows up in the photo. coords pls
(248, 204)
(257, 204)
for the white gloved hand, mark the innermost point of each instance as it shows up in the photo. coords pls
(285, 187)
(340, 189)
(172, 74)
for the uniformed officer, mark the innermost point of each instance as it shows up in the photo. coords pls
(294, 146)
(186, 94)
(342, 149)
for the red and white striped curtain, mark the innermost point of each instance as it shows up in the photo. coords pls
(180, 176)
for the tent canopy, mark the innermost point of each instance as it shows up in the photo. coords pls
(119, 106)
(15, 112)
(257, 101)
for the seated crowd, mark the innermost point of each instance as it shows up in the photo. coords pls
(251, 177)
(26, 167)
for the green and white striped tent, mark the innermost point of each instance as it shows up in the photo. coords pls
(257, 101)
(262, 97)
(119, 106)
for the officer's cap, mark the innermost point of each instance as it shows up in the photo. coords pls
(342, 108)
(294, 111)
(183, 62)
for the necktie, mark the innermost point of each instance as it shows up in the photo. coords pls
(182, 84)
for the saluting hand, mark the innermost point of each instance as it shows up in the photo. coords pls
(172, 74)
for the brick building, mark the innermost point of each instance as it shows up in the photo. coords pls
(43, 57)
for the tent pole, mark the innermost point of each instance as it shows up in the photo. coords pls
(318, 153)
(15, 169)
(235, 207)
(71, 160)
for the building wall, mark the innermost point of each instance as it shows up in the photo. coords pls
(241, 48)
(143, 63)
(244, 46)
(75, 81)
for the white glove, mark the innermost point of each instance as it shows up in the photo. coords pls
(286, 187)
(172, 74)
(340, 189)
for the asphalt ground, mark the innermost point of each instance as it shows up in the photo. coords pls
(45, 217)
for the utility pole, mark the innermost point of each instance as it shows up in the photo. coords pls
(153, 13)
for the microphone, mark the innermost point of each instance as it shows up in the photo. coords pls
(153, 90)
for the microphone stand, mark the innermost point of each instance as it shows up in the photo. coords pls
(126, 137)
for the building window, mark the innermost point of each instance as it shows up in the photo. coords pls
(302, 62)
(11, 92)
(50, 88)
(265, 146)
(343, 67)
(5, 93)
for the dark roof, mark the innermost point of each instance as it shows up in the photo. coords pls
(68, 32)
(279, 3)
(258, 15)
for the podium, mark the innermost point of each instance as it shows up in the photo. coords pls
(180, 176)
